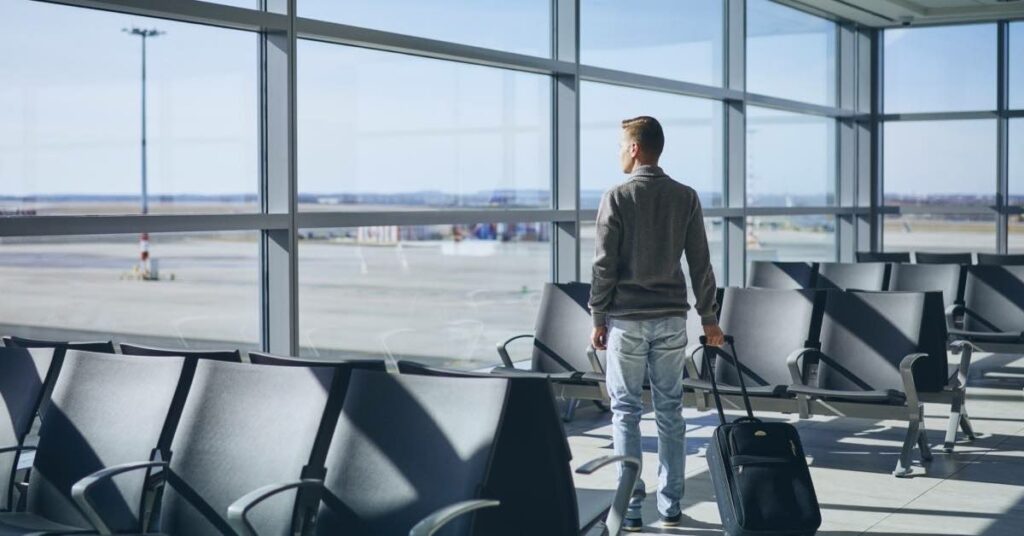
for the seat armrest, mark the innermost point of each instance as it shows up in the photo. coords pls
(238, 511)
(437, 520)
(595, 363)
(966, 349)
(80, 491)
(793, 363)
(987, 336)
(630, 474)
(909, 385)
(796, 374)
(503, 350)
(689, 364)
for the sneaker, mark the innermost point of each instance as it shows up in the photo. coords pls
(632, 524)
(671, 521)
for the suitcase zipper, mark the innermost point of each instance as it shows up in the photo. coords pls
(792, 446)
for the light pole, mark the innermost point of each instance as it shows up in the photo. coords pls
(144, 265)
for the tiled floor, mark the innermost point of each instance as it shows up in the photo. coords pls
(977, 490)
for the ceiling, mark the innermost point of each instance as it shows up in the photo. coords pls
(888, 13)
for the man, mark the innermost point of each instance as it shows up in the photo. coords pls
(638, 303)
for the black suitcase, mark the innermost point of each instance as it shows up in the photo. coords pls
(762, 484)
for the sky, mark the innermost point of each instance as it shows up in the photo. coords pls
(377, 122)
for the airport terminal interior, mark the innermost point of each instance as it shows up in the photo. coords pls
(323, 267)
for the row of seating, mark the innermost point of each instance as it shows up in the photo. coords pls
(811, 352)
(983, 304)
(183, 442)
(922, 257)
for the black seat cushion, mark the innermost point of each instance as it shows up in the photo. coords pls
(889, 396)
(775, 391)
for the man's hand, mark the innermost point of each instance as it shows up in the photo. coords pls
(599, 338)
(714, 335)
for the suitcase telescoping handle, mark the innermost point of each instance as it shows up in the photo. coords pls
(734, 359)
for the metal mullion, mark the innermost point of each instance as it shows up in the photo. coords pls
(193, 11)
(877, 133)
(941, 116)
(278, 249)
(1002, 137)
(343, 34)
(953, 209)
(806, 108)
(735, 145)
(591, 73)
(566, 265)
(845, 141)
(158, 223)
(323, 220)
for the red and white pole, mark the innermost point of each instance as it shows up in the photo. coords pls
(144, 255)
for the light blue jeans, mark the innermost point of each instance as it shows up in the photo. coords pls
(634, 348)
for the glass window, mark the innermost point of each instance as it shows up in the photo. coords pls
(940, 163)
(714, 227)
(1017, 65)
(522, 26)
(203, 290)
(791, 238)
(693, 139)
(680, 40)
(940, 233)
(441, 294)
(940, 69)
(385, 131)
(70, 114)
(790, 54)
(791, 159)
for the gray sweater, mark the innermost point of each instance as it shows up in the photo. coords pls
(643, 227)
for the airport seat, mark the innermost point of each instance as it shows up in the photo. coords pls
(560, 345)
(532, 413)
(24, 377)
(883, 256)
(1001, 259)
(993, 308)
(492, 441)
(241, 427)
(880, 352)
(945, 278)
(59, 348)
(767, 325)
(924, 257)
(782, 275)
(105, 409)
(263, 358)
(856, 276)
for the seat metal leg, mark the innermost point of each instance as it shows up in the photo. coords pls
(570, 409)
(955, 413)
(965, 425)
(915, 437)
(922, 443)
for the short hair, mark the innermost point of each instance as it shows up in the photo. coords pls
(647, 133)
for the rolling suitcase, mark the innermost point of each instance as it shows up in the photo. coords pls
(760, 476)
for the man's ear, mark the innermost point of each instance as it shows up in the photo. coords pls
(634, 149)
